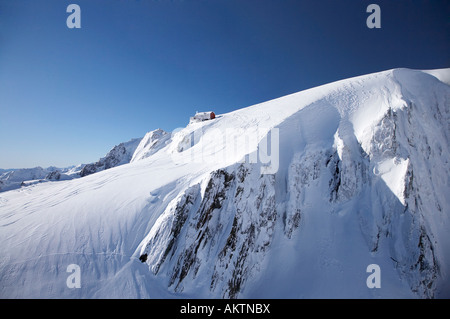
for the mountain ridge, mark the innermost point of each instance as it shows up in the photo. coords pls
(358, 176)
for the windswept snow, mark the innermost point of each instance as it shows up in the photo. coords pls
(291, 198)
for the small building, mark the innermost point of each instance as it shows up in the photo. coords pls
(203, 116)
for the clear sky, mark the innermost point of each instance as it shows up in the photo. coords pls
(67, 96)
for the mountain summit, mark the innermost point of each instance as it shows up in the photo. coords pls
(292, 198)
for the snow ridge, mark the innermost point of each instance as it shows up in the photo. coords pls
(363, 178)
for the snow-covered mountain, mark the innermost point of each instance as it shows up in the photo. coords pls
(151, 143)
(118, 155)
(16, 178)
(291, 198)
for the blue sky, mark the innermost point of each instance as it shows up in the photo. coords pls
(67, 96)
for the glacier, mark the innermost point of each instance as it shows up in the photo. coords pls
(361, 177)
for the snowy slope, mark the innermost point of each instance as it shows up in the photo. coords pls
(150, 144)
(356, 173)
